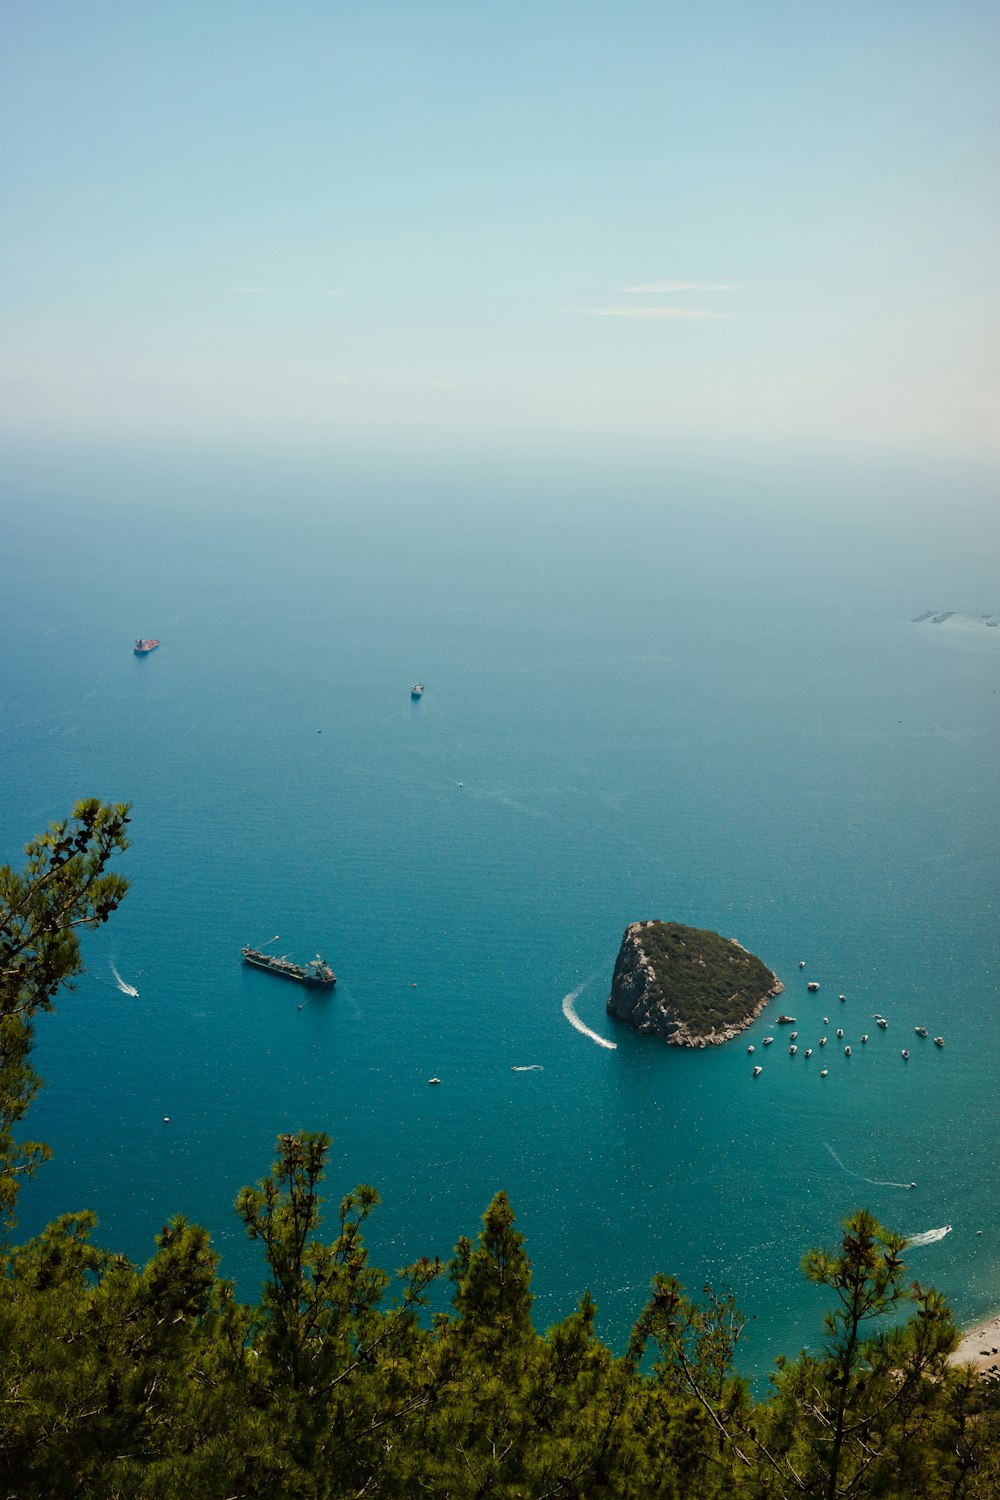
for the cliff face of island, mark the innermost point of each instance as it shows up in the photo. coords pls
(687, 985)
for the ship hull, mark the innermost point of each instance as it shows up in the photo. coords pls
(294, 972)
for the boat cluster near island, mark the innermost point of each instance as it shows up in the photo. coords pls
(785, 1020)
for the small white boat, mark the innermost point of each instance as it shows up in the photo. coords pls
(823, 1072)
(939, 1041)
(767, 1041)
(808, 1052)
(757, 1070)
(881, 1021)
(920, 1030)
(847, 1050)
(802, 963)
(841, 997)
(865, 1037)
(750, 1048)
(904, 1054)
(793, 1036)
(840, 1033)
(822, 1041)
(433, 1080)
(792, 1050)
(812, 986)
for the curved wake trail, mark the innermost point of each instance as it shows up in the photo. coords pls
(126, 989)
(569, 1011)
(929, 1237)
(875, 1181)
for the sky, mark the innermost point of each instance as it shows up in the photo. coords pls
(659, 222)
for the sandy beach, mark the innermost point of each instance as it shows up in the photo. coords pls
(980, 1347)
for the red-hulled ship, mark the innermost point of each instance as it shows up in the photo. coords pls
(315, 972)
(143, 648)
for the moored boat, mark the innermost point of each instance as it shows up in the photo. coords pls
(316, 972)
(144, 647)
(417, 690)
(812, 986)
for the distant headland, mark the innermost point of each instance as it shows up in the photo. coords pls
(687, 985)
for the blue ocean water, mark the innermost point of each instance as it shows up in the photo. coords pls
(694, 694)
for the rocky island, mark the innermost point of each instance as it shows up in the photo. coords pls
(687, 985)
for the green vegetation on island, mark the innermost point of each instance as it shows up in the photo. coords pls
(687, 984)
(156, 1382)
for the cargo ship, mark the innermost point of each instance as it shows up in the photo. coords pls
(143, 648)
(315, 972)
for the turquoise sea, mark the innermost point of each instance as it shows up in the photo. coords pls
(690, 691)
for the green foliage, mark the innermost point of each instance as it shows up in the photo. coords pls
(64, 886)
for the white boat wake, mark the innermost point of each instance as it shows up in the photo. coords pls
(569, 1011)
(929, 1237)
(875, 1181)
(126, 989)
(528, 1068)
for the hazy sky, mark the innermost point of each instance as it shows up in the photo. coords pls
(652, 220)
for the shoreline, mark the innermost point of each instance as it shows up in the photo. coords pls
(979, 1346)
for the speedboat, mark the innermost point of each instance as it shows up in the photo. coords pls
(757, 1070)
(792, 1050)
(939, 1041)
(823, 1072)
(920, 1030)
